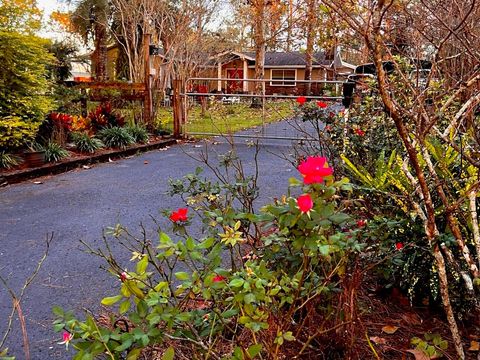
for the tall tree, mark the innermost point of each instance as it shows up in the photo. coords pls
(21, 16)
(311, 30)
(90, 19)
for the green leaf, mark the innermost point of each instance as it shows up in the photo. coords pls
(165, 239)
(109, 301)
(125, 345)
(58, 327)
(134, 354)
(142, 309)
(229, 313)
(207, 243)
(238, 353)
(190, 244)
(236, 282)
(168, 354)
(142, 265)
(254, 350)
(294, 182)
(249, 298)
(124, 307)
(339, 218)
(288, 336)
(182, 276)
(58, 311)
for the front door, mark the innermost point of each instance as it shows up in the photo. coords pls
(234, 86)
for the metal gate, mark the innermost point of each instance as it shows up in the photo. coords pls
(209, 110)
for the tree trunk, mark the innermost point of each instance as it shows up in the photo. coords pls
(100, 52)
(259, 38)
(310, 34)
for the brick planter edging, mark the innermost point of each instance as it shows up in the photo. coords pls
(56, 168)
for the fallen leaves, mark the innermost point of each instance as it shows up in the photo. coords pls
(378, 340)
(389, 329)
(474, 346)
(419, 355)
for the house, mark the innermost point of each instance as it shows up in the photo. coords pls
(283, 70)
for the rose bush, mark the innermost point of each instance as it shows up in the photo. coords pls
(236, 293)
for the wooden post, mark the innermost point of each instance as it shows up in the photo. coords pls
(178, 112)
(147, 102)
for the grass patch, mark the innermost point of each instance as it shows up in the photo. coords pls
(228, 118)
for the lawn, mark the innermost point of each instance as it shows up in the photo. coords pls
(227, 118)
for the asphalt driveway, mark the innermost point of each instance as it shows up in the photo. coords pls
(78, 205)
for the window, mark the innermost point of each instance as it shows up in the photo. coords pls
(283, 77)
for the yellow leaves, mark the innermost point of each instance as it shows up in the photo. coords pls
(232, 236)
(63, 19)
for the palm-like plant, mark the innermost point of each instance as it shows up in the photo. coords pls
(90, 21)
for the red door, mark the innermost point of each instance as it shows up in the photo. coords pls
(234, 86)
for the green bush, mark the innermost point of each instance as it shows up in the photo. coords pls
(24, 98)
(116, 137)
(85, 143)
(54, 152)
(138, 133)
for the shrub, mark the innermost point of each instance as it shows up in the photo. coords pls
(7, 161)
(24, 101)
(104, 116)
(85, 143)
(116, 137)
(16, 132)
(138, 133)
(54, 152)
(228, 283)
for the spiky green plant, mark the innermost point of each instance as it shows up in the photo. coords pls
(86, 144)
(139, 133)
(8, 161)
(54, 152)
(116, 137)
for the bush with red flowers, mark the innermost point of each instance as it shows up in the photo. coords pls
(231, 280)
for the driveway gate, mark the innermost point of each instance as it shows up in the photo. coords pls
(211, 111)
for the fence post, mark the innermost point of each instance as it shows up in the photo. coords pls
(147, 102)
(178, 113)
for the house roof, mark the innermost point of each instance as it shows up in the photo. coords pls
(292, 58)
(278, 59)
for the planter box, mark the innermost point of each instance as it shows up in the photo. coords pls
(34, 158)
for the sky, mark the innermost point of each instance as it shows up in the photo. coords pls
(48, 6)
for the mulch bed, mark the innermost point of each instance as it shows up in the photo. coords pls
(77, 159)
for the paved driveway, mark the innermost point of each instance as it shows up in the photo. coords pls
(78, 205)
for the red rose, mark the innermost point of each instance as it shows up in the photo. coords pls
(359, 132)
(361, 223)
(321, 104)
(218, 278)
(399, 245)
(179, 215)
(301, 100)
(314, 169)
(305, 203)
